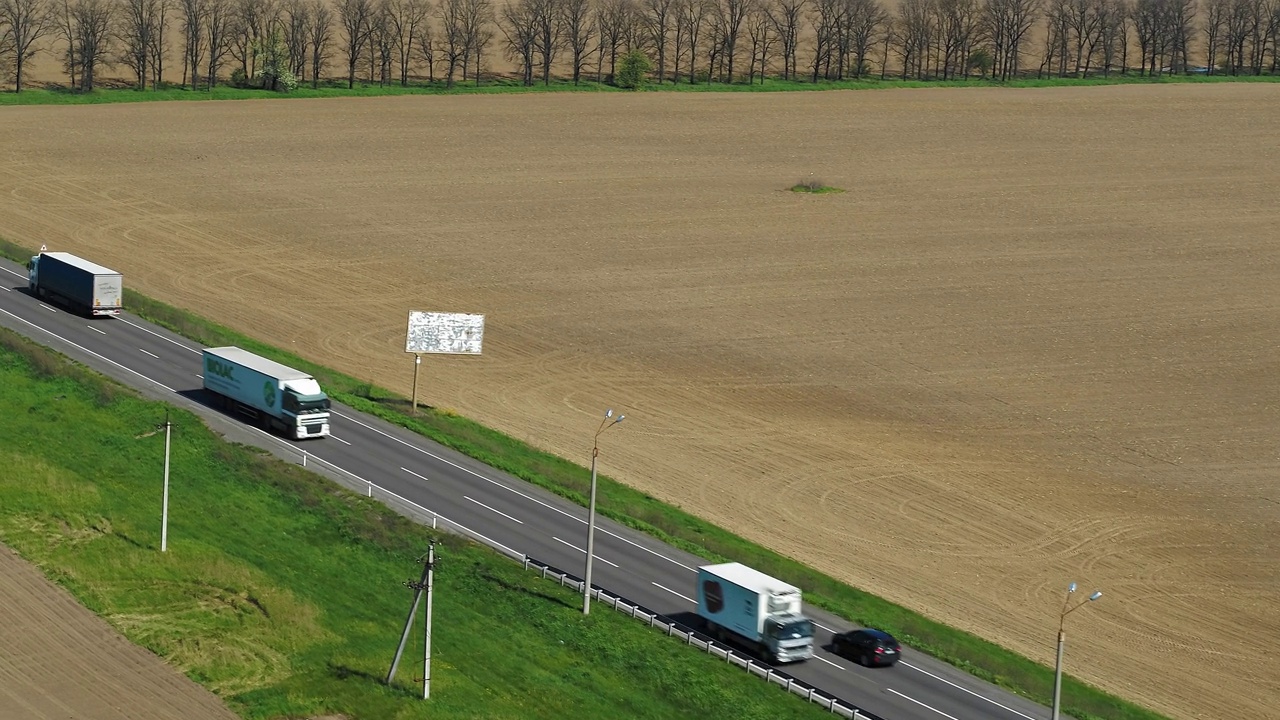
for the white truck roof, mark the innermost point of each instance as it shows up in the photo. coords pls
(77, 261)
(258, 363)
(743, 576)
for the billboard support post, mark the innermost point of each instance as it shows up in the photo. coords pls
(417, 362)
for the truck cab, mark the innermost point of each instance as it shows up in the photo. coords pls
(308, 406)
(789, 638)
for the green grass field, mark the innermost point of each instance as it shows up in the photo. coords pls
(282, 593)
(502, 85)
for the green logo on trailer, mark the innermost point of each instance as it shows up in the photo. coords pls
(213, 366)
(269, 393)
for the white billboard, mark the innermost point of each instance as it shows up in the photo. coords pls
(452, 333)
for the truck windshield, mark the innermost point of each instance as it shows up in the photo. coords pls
(794, 630)
(298, 404)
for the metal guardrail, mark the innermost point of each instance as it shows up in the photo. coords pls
(657, 621)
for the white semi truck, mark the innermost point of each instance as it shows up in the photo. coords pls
(275, 396)
(84, 286)
(759, 611)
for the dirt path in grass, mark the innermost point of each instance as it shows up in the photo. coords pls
(1034, 343)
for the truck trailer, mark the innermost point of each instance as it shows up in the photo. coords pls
(756, 610)
(84, 286)
(275, 396)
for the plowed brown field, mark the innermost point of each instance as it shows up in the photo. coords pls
(60, 661)
(1034, 343)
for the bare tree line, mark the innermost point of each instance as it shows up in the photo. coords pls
(267, 42)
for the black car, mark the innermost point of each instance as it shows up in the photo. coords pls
(867, 647)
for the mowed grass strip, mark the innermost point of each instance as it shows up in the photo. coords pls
(969, 652)
(57, 95)
(283, 593)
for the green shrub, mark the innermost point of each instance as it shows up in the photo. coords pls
(633, 70)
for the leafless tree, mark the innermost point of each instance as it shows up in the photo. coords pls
(613, 20)
(91, 20)
(729, 17)
(1006, 23)
(382, 43)
(575, 19)
(1181, 27)
(67, 32)
(22, 24)
(657, 17)
(453, 36)
(958, 24)
(864, 22)
(691, 16)
(824, 16)
(762, 38)
(478, 20)
(192, 14)
(915, 24)
(517, 24)
(1214, 27)
(1149, 21)
(137, 32)
(160, 44)
(320, 35)
(354, 18)
(547, 35)
(426, 51)
(408, 18)
(295, 15)
(1057, 38)
(219, 29)
(785, 16)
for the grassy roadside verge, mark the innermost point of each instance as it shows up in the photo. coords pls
(282, 592)
(637, 510)
(505, 86)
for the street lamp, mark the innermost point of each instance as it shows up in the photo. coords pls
(1062, 641)
(608, 422)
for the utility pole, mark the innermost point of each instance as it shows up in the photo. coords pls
(164, 513)
(424, 584)
(426, 633)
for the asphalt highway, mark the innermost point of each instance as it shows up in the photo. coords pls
(488, 504)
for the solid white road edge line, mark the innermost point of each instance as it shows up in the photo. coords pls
(85, 349)
(584, 552)
(486, 507)
(509, 489)
(25, 277)
(673, 592)
(145, 330)
(961, 687)
(927, 707)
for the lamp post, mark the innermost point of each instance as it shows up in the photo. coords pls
(1062, 641)
(608, 422)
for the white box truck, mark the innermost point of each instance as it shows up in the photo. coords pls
(276, 396)
(760, 612)
(84, 286)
